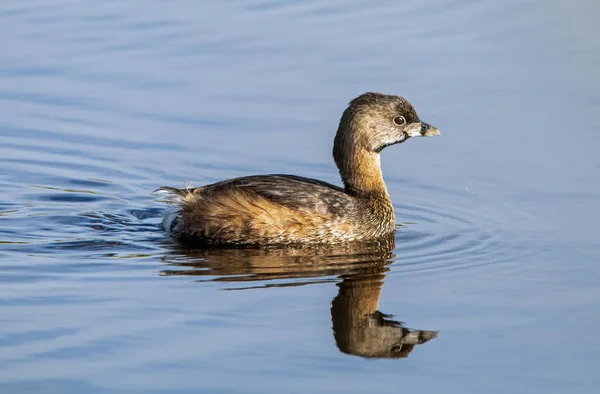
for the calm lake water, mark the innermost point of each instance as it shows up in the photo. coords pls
(497, 246)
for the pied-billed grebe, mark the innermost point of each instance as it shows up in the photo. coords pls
(264, 210)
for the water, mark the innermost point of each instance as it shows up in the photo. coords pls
(497, 244)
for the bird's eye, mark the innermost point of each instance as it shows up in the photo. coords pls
(399, 120)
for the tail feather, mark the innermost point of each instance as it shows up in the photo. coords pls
(175, 197)
(172, 191)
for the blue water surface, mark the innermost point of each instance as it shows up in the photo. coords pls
(497, 246)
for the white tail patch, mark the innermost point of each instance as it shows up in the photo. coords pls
(171, 214)
(174, 201)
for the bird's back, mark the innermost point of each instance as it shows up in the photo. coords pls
(268, 210)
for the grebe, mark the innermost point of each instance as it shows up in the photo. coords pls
(268, 210)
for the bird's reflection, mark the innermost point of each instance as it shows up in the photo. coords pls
(359, 328)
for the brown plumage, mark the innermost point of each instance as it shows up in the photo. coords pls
(267, 210)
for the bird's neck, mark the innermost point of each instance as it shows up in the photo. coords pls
(361, 174)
